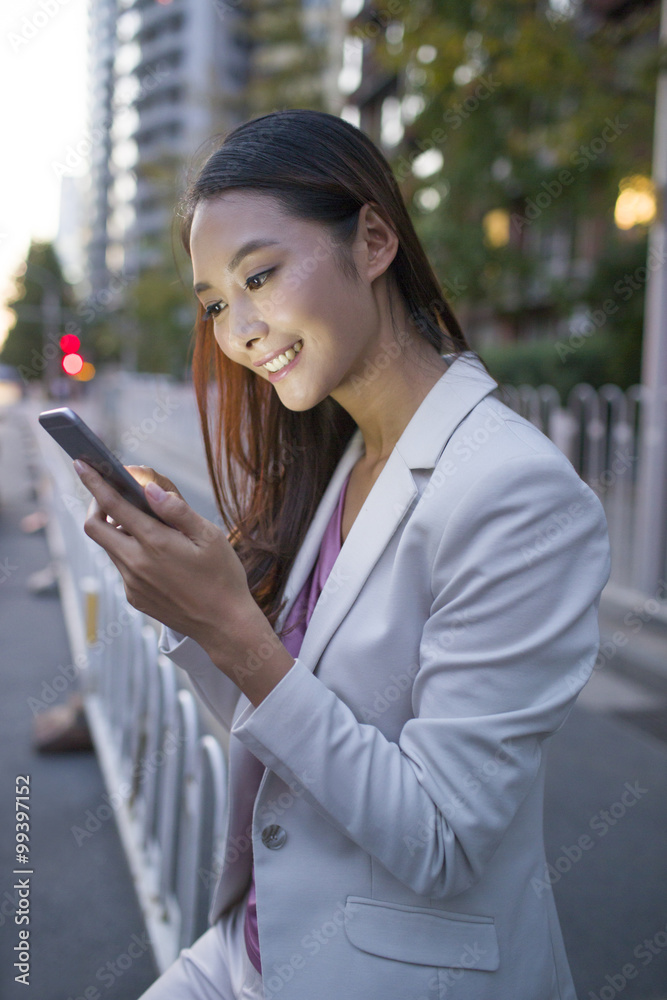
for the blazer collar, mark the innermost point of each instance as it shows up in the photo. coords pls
(458, 390)
(422, 442)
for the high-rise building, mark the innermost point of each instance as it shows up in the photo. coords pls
(102, 17)
(180, 73)
(165, 76)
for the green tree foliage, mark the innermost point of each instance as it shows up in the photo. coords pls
(164, 315)
(152, 331)
(539, 114)
(29, 345)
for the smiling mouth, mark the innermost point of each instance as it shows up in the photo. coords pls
(283, 359)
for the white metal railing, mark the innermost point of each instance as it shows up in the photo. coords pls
(166, 778)
(599, 431)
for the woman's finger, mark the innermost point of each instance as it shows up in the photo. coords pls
(135, 522)
(95, 511)
(144, 474)
(109, 533)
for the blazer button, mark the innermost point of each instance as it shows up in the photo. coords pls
(274, 837)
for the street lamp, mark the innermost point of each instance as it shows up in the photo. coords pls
(636, 203)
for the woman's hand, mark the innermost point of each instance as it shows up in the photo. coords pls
(144, 474)
(186, 575)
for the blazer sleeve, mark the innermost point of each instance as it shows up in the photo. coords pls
(215, 689)
(522, 560)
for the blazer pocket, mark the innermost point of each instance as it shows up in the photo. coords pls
(422, 936)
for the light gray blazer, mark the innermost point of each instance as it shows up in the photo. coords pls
(397, 830)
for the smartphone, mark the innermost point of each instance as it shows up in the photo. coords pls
(69, 430)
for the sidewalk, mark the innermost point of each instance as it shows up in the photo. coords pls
(87, 937)
(633, 648)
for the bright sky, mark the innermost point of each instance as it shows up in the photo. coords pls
(43, 109)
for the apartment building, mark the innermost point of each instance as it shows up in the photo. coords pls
(166, 75)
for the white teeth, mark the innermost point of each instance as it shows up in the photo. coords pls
(283, 359)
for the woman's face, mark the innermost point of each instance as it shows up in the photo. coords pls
(272, 284)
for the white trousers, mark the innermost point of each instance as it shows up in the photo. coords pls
(216, 967)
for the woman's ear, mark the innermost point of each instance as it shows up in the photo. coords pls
(377, 242)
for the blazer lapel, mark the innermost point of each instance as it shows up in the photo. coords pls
(386, 504)
(310, 546)
(420, 446)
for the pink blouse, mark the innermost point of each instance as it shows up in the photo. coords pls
(307, 598)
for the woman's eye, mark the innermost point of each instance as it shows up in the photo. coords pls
(261, 278)
(210, 311)
(215, 309)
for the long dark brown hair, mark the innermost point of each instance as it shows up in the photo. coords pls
(269, 466)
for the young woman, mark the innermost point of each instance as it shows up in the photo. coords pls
(402, 614)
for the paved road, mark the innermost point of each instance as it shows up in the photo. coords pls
(605, 832)
(605, 815)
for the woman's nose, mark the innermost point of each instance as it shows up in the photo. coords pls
(245, 325)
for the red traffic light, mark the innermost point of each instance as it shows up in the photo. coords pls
(72, 363)
(70, 343)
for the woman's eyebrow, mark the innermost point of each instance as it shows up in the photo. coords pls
(250, 247)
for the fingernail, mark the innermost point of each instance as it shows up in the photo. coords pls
(154, 491)
(79, 467)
